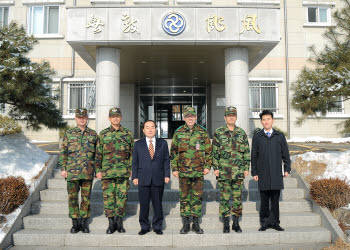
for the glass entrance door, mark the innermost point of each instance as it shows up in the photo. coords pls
(165, 104)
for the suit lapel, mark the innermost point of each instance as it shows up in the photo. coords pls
(157, 150)
(146, 148)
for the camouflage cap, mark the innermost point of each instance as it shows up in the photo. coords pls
(189, 111)
(115, 111)
(82, 112)
(230, 110)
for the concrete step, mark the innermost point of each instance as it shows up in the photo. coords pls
(289, 246)
(61, 207)
(173, 195)
(209, 183)
(173, 222)
(57, 237)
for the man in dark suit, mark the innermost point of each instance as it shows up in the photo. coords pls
(150, 170)
(269, 150)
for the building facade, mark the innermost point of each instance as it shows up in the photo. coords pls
(154, 57)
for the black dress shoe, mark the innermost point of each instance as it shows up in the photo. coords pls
(263, 228)
(158, 231)
(143, 231)
(277, 227)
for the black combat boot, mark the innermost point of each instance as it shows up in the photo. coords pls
(186, 225)
(235, 224)
(111, 227)
(85, 225)
(120, 228)
(76, 227)
(226, 224)
(116, 223)
(195, 226)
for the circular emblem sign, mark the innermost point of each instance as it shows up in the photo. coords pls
(174, 23)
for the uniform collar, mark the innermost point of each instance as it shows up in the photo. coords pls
(195, 126)
(112, 129)
(77, 129)
(228, 130)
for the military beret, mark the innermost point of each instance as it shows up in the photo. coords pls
(230, 110)
(82, 112)
(115, 111)
(189, 111)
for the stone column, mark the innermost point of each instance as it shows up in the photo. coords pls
(236, 84)
(107, 84)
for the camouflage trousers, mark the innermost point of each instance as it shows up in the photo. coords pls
(115, 195)
(191, 196)
(73, 188)
(227, 188)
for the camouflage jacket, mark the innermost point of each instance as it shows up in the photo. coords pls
(190, 151)
(231, 154)
(77, 155)
(113, 153)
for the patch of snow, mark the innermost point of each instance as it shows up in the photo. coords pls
(10, 219)
(338, 163)
(19, 157)
(320, 139)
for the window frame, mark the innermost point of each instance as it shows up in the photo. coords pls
(30, 21)
(328, 6)
(334, 114)
(71, 113)
(276, 82)
(2, 8)
(2, 108)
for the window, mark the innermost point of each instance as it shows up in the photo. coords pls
(338, 108)
(2, 108)
(262, 95)
(43, 20)
(177, 112)
(81, 95)
(318, 15)
(4, 16)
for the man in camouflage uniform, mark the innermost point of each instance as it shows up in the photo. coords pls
(77, 164)
(190, 161)
(113, 166)
(231, 159)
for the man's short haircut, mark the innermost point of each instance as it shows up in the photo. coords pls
(155, 125)
(266, 112)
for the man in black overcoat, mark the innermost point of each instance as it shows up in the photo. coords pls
(269, 151)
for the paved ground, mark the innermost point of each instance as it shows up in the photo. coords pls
(295, 148)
